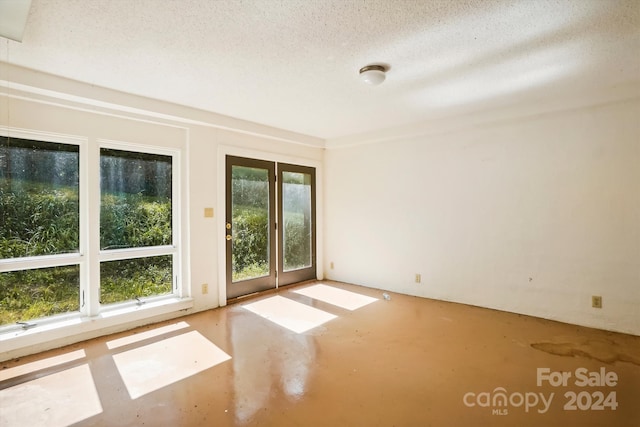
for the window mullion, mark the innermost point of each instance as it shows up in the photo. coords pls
(35, 262)
(92, 229)
(176, 209)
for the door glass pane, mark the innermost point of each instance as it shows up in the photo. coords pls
(128, 279)
(296, 212)
(250, 222)
(31, 294)
(135, 204)
(39, 204)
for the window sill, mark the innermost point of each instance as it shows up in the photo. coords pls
(71, 329)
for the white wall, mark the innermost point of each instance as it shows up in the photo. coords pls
(531, 216)
(42, 103)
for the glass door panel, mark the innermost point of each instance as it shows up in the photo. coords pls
(250, 226)
(296, 209)
(296, 220)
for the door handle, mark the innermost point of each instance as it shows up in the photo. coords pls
(229, 237)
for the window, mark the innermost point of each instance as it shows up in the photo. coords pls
(135, 212)
(40, 217)
(39, 198)
(45, 232)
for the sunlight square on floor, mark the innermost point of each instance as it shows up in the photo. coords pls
(295, 316)
(338, 297)
(153, 366)
(52, 395)
(134, 338)
(42, 364)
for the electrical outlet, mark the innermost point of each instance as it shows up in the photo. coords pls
(205, 288)
(596, 301)
(331, 265)
(418, 278)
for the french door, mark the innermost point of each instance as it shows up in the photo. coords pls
(270, 225)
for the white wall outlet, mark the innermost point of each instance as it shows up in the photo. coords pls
(205, 288)
(418, 278)
(331, 265)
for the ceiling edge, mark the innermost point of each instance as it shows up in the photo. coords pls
(618, 93)
(72, 93)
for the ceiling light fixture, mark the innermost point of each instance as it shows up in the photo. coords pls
(373, 74)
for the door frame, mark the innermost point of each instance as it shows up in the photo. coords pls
(220, 217)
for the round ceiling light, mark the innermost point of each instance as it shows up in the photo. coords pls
(373, 74)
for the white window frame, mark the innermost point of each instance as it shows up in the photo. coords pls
(89, 255)
(56, 260)
(142, 252)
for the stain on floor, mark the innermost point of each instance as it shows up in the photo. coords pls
(605, 351)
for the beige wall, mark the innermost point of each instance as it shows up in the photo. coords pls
(532, 216)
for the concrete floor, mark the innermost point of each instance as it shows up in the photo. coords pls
(319, 356)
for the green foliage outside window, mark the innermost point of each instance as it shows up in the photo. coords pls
(30, 294)
(38, 220)
(127, 279)
(250, 193)
(134, 220)
(250, 242)
(40, 215)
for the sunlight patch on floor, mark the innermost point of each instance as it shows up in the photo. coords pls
(338, 297)
(38, 365)
(130, 339)
(289, 314)
(59, 399)
(151, 367)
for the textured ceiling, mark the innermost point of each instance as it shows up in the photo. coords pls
(293, 64)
